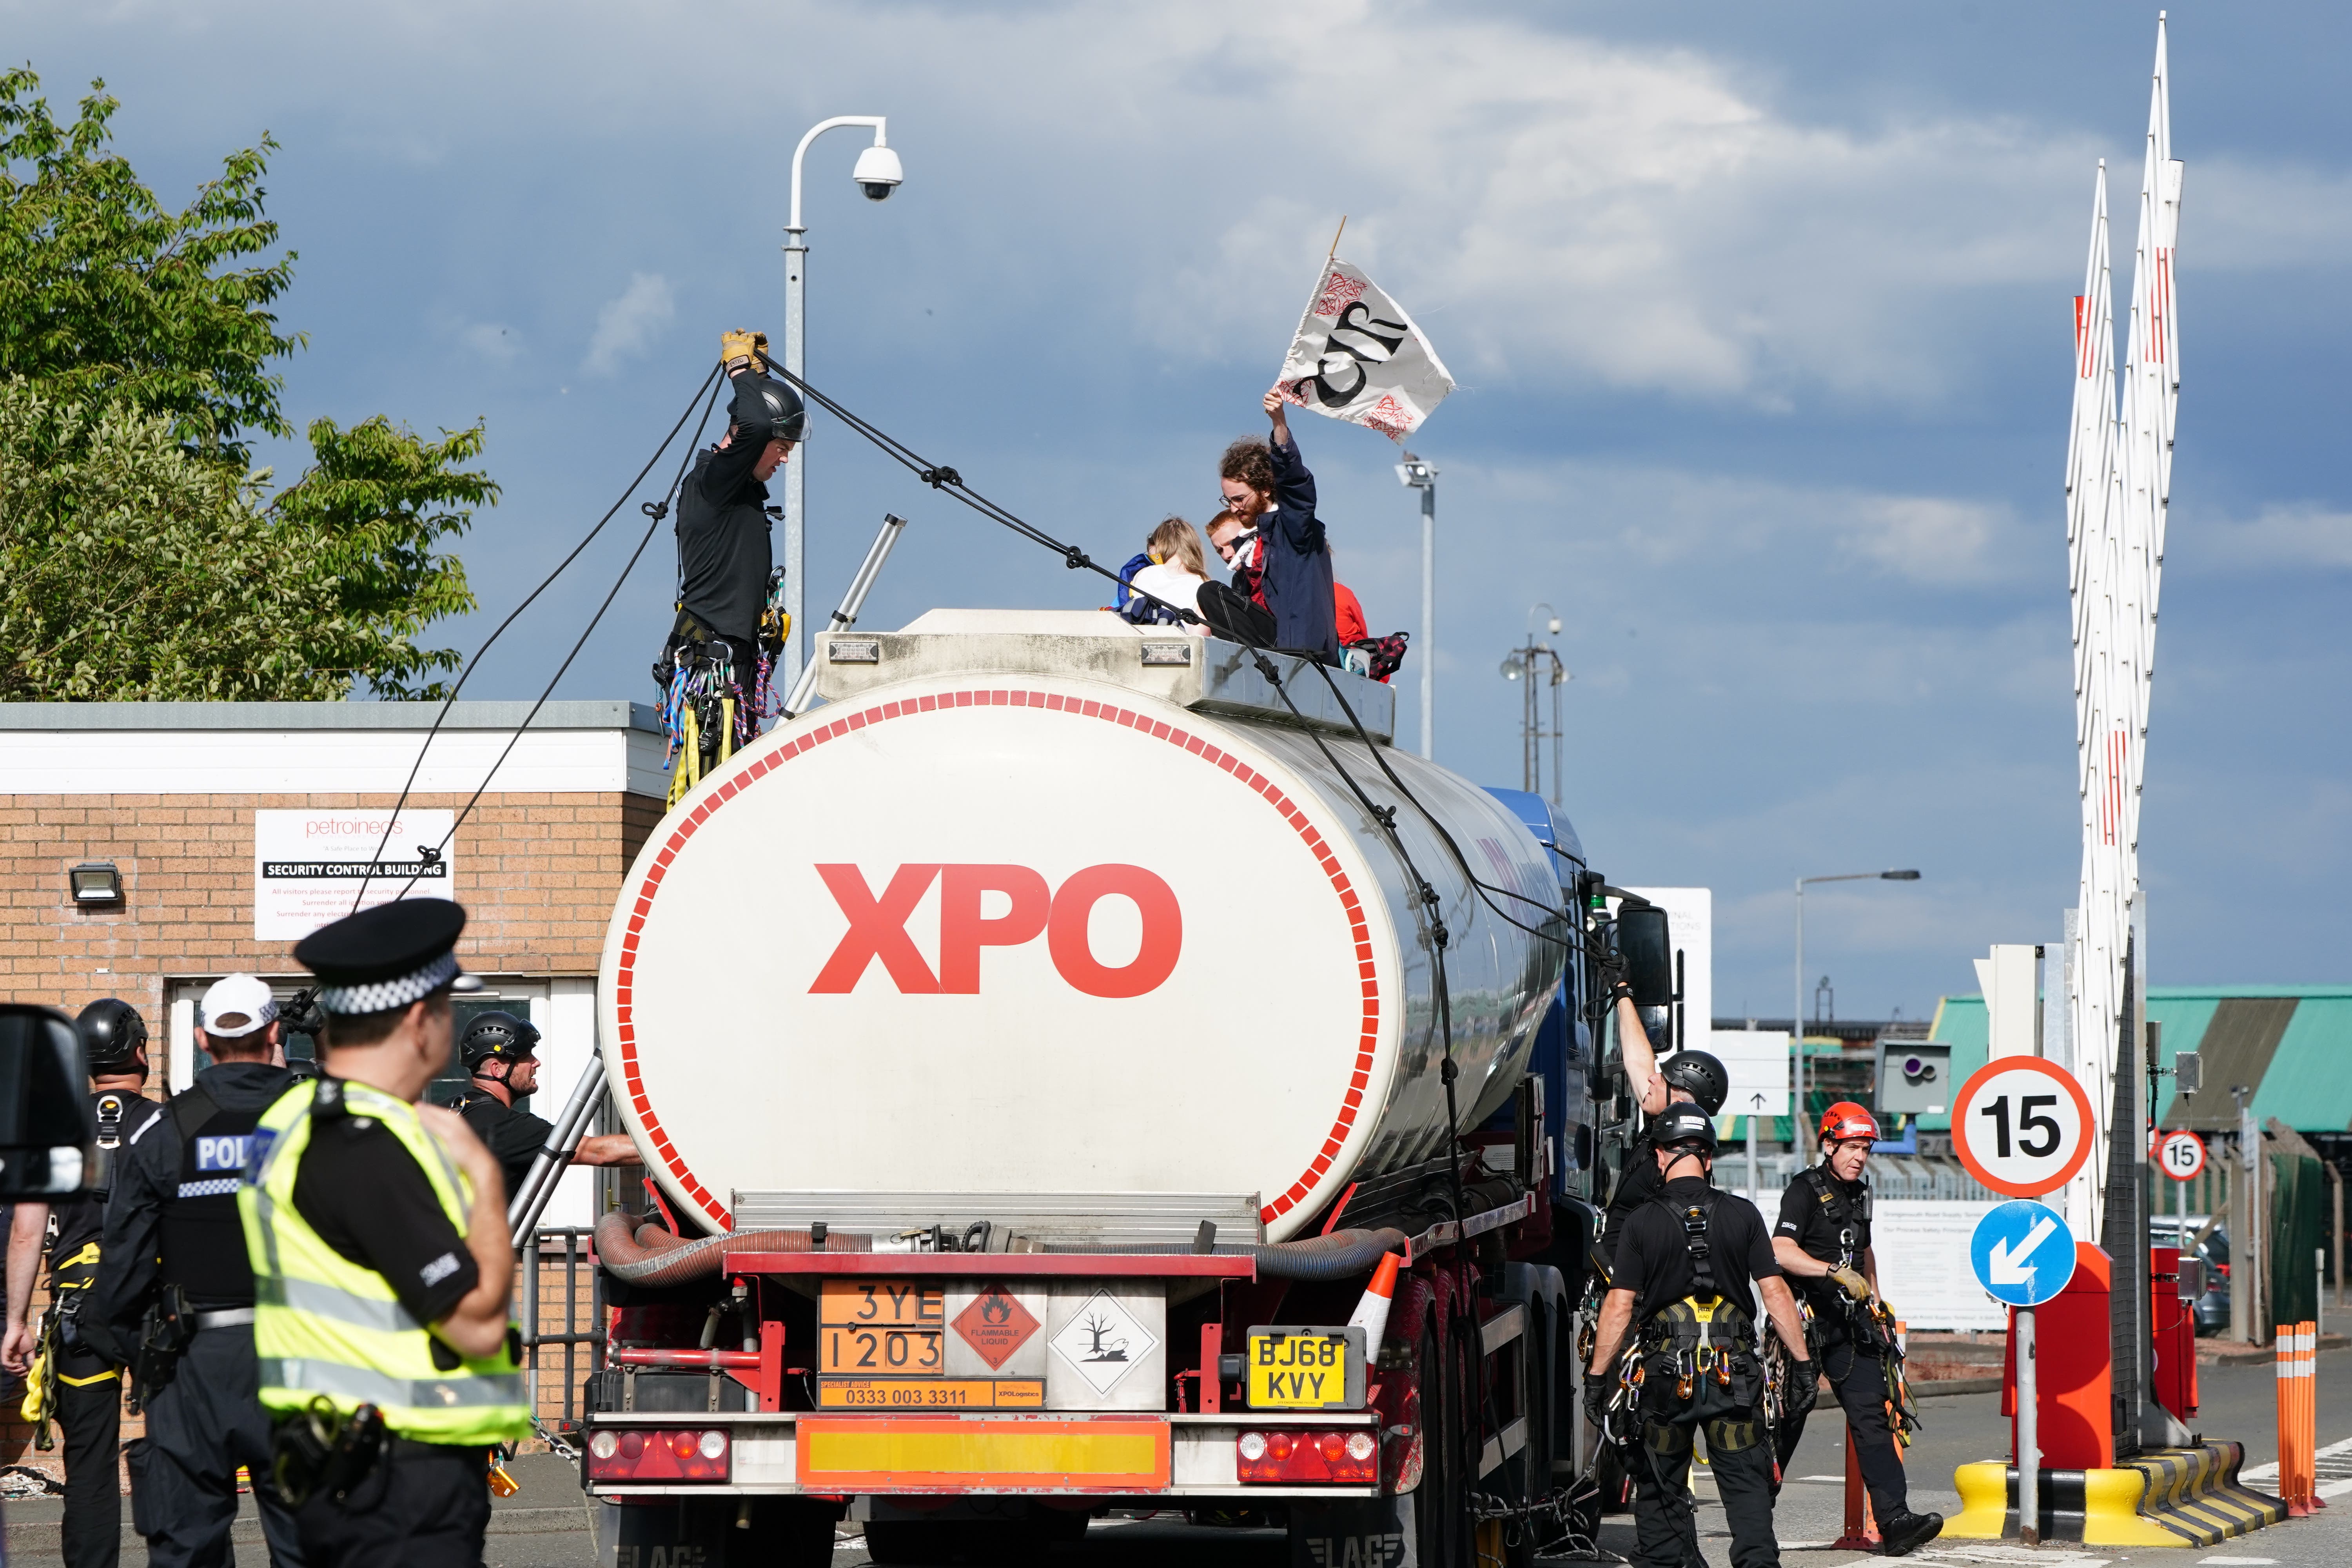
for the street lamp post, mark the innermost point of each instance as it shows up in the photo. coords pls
(878, 174)
(1803, 1067)
(1527, 661)
(1417, 474)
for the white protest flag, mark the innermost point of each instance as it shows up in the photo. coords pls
(1359, 357)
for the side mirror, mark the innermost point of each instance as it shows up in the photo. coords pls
(1649, 949)
(47, 1140)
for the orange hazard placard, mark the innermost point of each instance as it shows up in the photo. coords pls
(881, 1303)
(995, 1325)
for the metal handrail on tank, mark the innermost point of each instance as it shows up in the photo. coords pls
(852, 603)
(529, 1199)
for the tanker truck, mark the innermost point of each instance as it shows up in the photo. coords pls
(1057, 1101)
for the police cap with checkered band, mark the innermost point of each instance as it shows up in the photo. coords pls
(386, 957)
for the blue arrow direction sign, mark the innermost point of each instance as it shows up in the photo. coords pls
(2022, 1252)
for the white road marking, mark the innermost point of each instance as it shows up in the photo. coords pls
(2237, 1562)
(2000, 1553)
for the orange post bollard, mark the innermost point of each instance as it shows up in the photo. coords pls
(2307, 1380)
(2283, 1371)
(1861, 1528)
(2297, 1428)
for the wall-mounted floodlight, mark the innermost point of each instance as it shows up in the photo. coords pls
(96, 882)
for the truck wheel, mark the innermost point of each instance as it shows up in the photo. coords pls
(1441, 1522)
(1530, 1468)
(1057, 1526)
(909, 1540)
(785, 1532)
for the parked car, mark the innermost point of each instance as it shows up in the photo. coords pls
(2211, 1309)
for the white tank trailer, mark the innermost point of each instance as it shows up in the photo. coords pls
(1067, 925)
(1037, 1050)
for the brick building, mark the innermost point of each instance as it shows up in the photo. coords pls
(181, 800)
(232, 827)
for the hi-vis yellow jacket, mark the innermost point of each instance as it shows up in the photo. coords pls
(323, 1325)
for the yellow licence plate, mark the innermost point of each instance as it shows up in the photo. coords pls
(1304, 1369)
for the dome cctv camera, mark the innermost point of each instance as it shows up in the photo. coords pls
(877, 172)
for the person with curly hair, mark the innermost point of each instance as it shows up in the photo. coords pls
(1268, 493)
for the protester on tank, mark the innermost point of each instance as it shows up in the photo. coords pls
(1175, 568)
(1287, 601)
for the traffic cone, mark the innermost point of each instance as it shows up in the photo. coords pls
(1371, 1313)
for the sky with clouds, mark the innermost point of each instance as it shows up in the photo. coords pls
(1762, 318)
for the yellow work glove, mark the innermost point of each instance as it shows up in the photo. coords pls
(1852, 1282)
(735, 350)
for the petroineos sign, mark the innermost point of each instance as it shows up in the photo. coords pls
(1030, 908)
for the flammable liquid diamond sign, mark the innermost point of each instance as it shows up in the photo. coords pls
(995, 1325)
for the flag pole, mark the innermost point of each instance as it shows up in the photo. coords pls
(1335, 239)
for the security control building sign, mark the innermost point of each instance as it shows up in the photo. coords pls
(308, 864)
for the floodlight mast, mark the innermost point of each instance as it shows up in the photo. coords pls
(1417, 474)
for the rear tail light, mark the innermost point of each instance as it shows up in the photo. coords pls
(2223, 1268)
(1308, 1453)
(658, 1454)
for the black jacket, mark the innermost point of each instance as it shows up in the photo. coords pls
(146, 1175)
(1296, 561)
(723, 554)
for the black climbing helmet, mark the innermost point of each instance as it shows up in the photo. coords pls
(497, 1037)
(1685, 1126)
(767, 410)
(112, 1035)
(1700, 1075)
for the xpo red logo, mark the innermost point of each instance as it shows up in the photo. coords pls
(878, 927)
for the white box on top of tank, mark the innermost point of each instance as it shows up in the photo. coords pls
(1167, 662)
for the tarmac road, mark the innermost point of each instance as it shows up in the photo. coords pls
(546, 1526)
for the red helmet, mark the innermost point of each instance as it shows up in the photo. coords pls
(1846, 1119)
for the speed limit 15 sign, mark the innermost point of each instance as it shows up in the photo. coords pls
(2181, 1155)
(2022, 1126)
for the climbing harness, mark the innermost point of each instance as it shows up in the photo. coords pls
(1705, 1336)
(1869, 1325)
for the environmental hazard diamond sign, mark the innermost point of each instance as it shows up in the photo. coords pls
(1103, 1339)
(995, 1325)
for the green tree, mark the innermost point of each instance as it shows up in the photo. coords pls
(102, 290)
(141, 559)
(370, 511)
(132, 570)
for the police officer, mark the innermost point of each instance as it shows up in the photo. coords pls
(1822, 1242)
(724, 559)
(84, 1360)
(499, 1053)
(376, 1229)
(1684, 1077)
(1681, 1288)
(173, 1268)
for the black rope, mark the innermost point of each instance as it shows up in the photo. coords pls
(655, 511)
(946, 479)
(474, 663)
